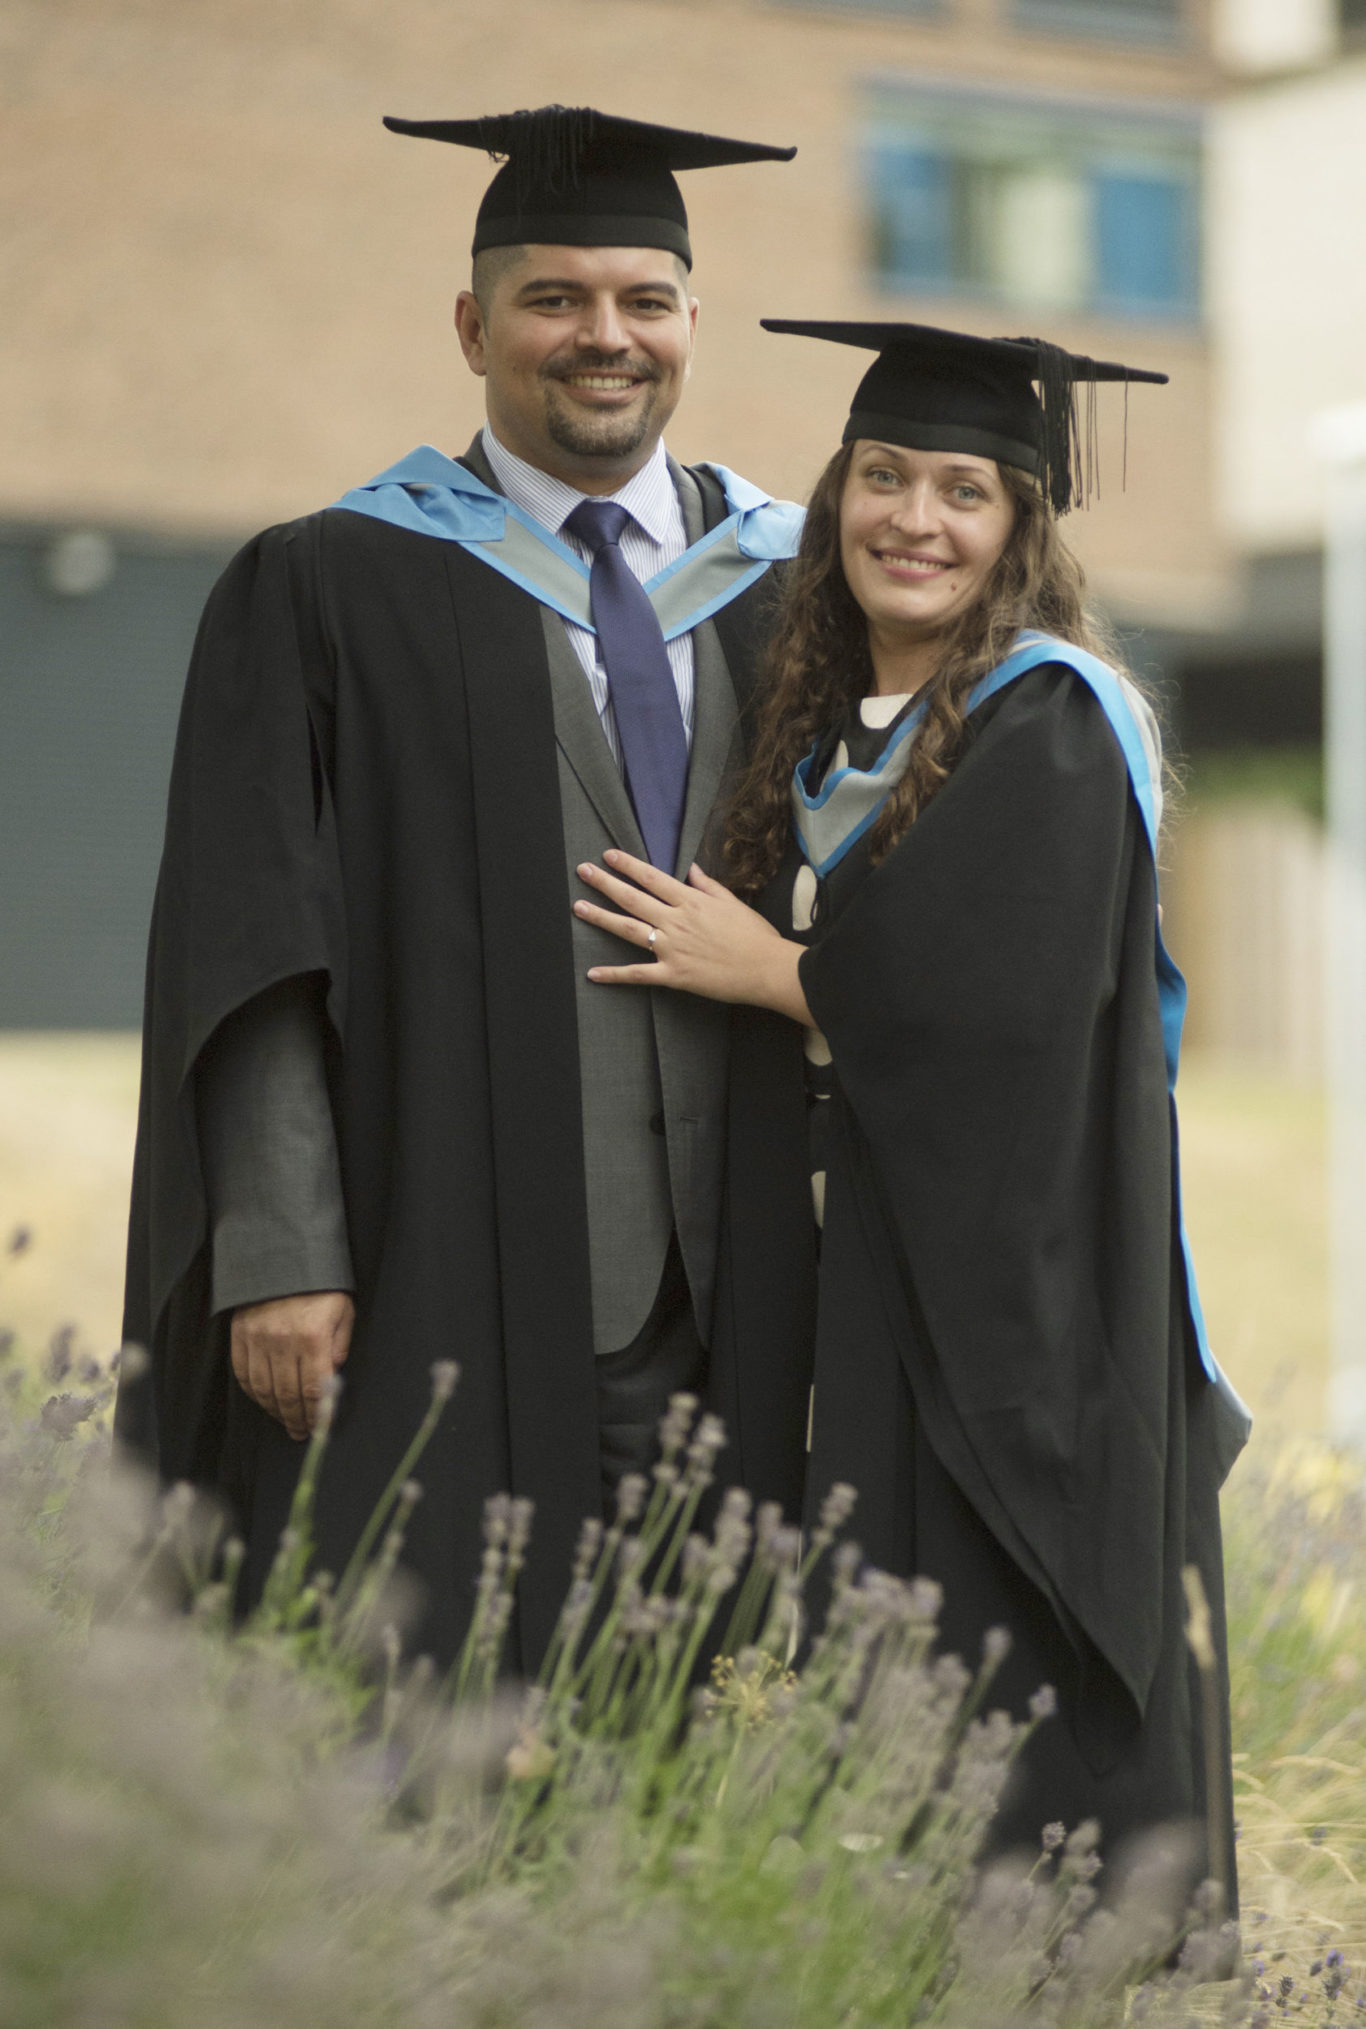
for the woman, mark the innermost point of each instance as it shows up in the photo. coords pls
(941, 864)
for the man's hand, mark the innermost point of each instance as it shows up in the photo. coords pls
(284, 1352)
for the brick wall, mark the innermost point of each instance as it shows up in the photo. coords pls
(229, 290)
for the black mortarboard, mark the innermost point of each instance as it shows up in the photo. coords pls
(938, 390)
(575, 177)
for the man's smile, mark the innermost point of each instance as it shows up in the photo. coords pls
(600, 384)
(611, 383)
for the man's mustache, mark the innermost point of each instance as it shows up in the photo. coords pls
(600, 362)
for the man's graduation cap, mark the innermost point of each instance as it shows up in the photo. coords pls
(574, 177)
(935, 390)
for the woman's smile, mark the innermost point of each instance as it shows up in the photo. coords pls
(904, 565)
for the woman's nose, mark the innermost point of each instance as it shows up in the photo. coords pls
(918, 511)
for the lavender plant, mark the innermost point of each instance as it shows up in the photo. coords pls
(281, 1820)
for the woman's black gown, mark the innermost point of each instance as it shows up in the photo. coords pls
(1005, 1366)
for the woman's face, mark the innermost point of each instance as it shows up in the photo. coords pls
(920, 532)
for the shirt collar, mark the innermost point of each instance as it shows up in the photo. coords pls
(648, 495)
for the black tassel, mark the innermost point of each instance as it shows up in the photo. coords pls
(1058, 393)
(1070, 450)
(544, 145)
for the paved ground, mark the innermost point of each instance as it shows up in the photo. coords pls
(1253, 1157)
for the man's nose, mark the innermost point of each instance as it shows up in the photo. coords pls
(602, 328)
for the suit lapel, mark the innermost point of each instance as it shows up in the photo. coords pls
(715, 716)
(715, 742)
(578, 729)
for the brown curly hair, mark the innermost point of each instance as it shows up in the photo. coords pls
(818, 665)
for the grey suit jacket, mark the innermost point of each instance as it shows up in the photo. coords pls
(652, 1064)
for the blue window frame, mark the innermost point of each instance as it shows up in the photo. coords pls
(913, 215)
(1144, 242)
(1045, 205)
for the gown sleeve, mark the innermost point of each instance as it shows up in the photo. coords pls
(273, 1178)
(249, 894)
(989, 997)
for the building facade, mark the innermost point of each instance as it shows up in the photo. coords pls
(1287, 199)
(230, 299)
(1286, 296)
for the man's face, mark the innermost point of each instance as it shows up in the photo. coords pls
(584, 351)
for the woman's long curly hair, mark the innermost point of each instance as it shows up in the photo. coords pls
(819, 665)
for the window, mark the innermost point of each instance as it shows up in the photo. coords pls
(1123, 20)
(1060, 208)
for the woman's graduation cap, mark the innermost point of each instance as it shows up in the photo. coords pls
(574, 177)
(934, 390)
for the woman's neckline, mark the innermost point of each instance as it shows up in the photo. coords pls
(882, 707)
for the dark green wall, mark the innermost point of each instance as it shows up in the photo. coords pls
(89, 692)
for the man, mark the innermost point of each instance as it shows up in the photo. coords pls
(386, 1118)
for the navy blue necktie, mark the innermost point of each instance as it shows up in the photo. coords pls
(654, 745)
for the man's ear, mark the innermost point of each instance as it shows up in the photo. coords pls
(693, 307)
(470, 330)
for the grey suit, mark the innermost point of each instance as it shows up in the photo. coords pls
(652, 1064)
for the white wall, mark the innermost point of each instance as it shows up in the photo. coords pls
(1287, 291)
(1254, 37)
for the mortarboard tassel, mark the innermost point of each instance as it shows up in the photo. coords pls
(1069, 464)
(1058, 393)
(544, 146)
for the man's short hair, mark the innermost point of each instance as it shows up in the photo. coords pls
(490, 266)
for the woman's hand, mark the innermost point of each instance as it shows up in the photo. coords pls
(695, 936)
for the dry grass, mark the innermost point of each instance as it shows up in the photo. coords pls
(1252, 1154)
(1296, 1521)
(68, 1109)
(1254, 1182)
(1253, 1164)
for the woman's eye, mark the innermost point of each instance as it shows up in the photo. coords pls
(967, 492)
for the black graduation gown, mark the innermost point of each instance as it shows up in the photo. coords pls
(365, 788)
(1005, 1365)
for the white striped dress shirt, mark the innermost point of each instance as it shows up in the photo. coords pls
(654, 537)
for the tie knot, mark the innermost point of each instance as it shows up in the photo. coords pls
(598, 522)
